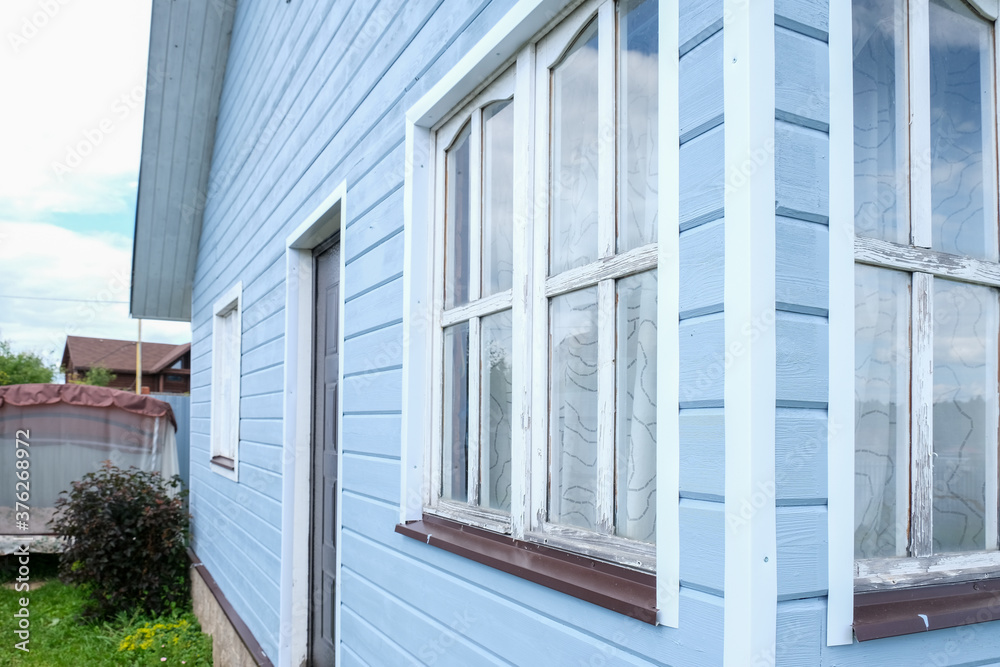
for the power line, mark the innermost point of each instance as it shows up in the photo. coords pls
(44, 298)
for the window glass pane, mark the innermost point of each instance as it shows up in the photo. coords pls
(880, 195)
(498, 197)
(638, 169)
(881, 408)
(573, 234)
(961, 126)
(965, 422)
(573, 409)
(635, 472)
(455, 431)
(498, 393)
(457, 235)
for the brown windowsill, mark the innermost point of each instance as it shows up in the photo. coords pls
(224, 462)
(610, 586)
(890, 613)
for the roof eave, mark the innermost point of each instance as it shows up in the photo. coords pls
(182, 105)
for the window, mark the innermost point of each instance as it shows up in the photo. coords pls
(227, 330)
(927, 314)
(559, 315)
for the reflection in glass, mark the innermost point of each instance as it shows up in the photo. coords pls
(961, 126)
(455, 431)
(635, 466)
(497, 396)
(881, 409)
(880, 195)
(965, 420)
(573, 411)
(457, 235)
(638, 169)
(573, 231)
(498, 197)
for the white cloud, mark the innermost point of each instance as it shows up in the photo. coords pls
(40, 261)
(79, 85)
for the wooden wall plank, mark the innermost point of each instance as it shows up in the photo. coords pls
(802, 551)
(702, 178)
(703, 453)
(698, 20)
(703, 534)
(371, 645)
(701, 81)
(371, 476)
(802, 360)
(367, 230)
(379, 349)
(372, 434)
(376, 308)
(801, 172)
(802, 259)
(800, 632)
(702, 361)
(374, 392)
(811, 17)
(702, 256)
(801, 79)
(432, 642)
(800, 456)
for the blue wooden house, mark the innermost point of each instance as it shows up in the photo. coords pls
(583, 332)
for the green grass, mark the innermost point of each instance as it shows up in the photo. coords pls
(58, 639)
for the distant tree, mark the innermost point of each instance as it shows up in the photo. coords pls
(98, 376)
(23, 367)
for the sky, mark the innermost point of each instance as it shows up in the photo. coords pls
(74, 72)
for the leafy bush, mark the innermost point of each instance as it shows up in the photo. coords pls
(127, 533)
(98, 376)
(172, 641)
(22, 367)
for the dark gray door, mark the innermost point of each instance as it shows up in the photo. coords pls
(323, 565)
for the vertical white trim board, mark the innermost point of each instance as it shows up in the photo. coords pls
(668, 550)
(326, 220)
(751, 598)
(840, 413)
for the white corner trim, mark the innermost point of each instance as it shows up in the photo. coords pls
(668, 551)
(840, 413)
(750, 613)
(327, 219)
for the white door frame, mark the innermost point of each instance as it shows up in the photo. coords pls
(328, 219)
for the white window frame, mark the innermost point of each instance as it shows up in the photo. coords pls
(513, 42)
(845, 574)
(227, 354)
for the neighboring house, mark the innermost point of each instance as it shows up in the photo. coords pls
(166, 368)
(531, 331)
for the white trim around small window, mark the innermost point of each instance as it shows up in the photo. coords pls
(512, 63)
(227, 346)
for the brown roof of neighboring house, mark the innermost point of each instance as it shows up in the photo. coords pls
(118, 356)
